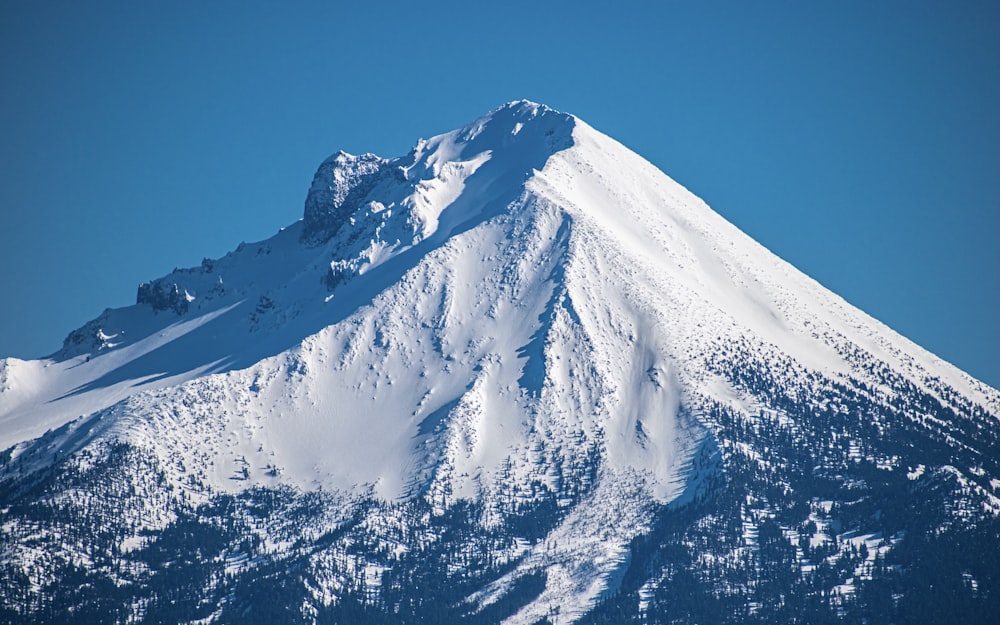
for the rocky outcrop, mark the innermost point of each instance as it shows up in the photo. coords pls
(162, 295)
(340, 185)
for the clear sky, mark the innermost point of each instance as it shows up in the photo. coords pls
(858, 140)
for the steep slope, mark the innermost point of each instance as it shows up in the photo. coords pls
(516, 374)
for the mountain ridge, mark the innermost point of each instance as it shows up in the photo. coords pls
(167, 293)
(521, 332)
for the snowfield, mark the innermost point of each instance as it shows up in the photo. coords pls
(518, 309)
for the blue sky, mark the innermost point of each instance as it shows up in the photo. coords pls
(858, 140)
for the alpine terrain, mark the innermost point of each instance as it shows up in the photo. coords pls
(517, 375)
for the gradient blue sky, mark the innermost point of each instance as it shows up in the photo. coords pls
(858, 140)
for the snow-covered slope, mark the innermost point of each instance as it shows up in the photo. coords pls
(517, 312)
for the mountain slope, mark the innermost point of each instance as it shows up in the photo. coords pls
(517, 374)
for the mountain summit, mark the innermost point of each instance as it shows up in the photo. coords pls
(518, 375)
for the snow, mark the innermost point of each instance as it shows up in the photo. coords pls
(584, 558)
(483, 314)
(916, 473)
(36, 396)
(663, 251)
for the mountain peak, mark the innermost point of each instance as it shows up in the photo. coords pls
(517, 374)
(516, 138)
(509, 119)
(523, 110)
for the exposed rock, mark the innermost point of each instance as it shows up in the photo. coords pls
(164, 296)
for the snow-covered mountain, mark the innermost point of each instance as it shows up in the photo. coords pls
(516, 375)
